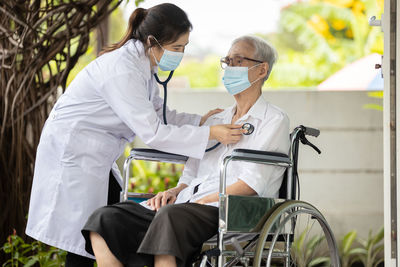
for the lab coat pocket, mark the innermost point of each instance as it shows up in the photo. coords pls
(90, 151)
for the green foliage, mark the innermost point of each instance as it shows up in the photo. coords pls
(137, 2)
(153, 177)
(35, 253)
(318, 37)
(348, 254)
(201, 74)
(306, 253)
(371, 251)
(378, 95)
(314, 39)
(117, 27)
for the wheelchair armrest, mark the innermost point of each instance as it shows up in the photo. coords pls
(139, 197)
(156, 155)
(149, 155)
(259, 156)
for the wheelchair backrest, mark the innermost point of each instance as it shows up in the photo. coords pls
(290, 176)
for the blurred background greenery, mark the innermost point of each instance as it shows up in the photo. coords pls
(152, 177)
(314, 39)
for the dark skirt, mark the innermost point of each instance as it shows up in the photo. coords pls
(135, 234)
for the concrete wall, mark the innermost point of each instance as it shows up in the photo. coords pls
(346, 181)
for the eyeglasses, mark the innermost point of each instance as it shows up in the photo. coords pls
(235, 61)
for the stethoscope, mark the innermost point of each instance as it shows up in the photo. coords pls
(248, 127)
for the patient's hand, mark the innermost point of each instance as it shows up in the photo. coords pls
(165, 198)
(162, 199)
(210, 113)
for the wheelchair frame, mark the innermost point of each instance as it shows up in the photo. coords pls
(265, 229)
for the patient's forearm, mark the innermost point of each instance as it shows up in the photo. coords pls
(177, 189)
(238, 188)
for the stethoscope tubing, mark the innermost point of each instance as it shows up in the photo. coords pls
(164, 84)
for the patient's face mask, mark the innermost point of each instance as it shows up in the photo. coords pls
(236, 79)
(170, 60)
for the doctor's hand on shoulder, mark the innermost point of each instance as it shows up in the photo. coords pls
(165, 198)
(209, 114)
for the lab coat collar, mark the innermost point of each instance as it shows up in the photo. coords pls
(258, 111)
(139, 49)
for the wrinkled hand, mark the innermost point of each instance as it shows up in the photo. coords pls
(162, 199)
(210, 113)
(226, 133)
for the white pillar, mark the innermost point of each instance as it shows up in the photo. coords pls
(395, 10)
(391, 120)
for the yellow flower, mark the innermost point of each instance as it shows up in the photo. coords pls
(338, 24)
(341, 3)
(319, 24)
(358, 7)
(379, 3)
(349, 33)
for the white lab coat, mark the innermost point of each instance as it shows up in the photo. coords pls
(109, 102)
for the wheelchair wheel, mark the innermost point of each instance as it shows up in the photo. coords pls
(296, 234)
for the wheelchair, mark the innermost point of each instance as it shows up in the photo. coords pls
(258, 231)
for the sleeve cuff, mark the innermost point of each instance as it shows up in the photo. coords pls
(204, 142)
(196, 120)
(256, 184)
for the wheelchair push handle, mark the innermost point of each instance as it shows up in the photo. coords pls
(303, 131)
(310, 131)
(304, 141)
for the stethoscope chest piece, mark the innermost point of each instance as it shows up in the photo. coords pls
(248, 127)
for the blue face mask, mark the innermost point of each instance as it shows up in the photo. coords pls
(170, 59)
(236, 79)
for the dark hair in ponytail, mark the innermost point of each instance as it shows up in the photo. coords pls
(166, 22)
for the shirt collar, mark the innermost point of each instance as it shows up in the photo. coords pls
(258, 111)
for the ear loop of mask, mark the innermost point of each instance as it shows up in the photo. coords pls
(151, 48)
(250, 69)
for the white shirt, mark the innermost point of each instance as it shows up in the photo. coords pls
(110, 101)
(271, 133)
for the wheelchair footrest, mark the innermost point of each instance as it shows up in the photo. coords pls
(214, 252)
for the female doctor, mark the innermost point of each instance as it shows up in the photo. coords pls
(110, 101)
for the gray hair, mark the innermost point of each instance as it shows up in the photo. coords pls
(262, 50)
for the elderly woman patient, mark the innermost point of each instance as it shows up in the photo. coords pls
(169, 229)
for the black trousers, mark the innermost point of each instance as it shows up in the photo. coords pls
(74, 260)
(135, 234)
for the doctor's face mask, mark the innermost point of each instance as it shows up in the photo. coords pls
(170, 60)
